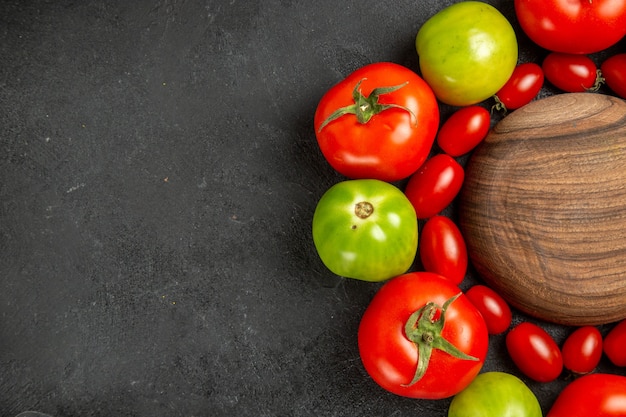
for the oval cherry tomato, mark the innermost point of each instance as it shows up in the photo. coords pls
(573, 26)
(433, 187)
(614, 73)
(571, 73)
(494, 309)
(534, 352)
(464, 130)
(420, 337)
(380, 122)
(615, 344)
(521, 88)
(582, 350)
(597, 395)
(442, 249)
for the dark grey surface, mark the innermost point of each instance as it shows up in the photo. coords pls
(158, 175)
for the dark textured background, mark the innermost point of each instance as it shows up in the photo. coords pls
(158, 175)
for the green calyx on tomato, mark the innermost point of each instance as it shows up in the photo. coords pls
(365, 107)
(423, 328)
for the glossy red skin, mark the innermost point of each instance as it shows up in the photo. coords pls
(391, 359)
(614, 344)
(570, 73)
(596, 394)
(523, 86)
(442, 249)
(464, 130)
(494, 309)
(392, 144)
(582, 350)
(435, 185)
(614, 73)
(573, 26)
(534, 352)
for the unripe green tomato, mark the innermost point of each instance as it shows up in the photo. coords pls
(365, 229)
(467, 52)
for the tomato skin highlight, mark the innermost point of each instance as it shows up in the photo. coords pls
(395, 142)
(573, 26)
(614, 345)
(534, 352)
(442, 249)
(614, 73)
(582, 350)
(595, 394)
(464, 130)
(390, 358)
(494, 309)
(435, 185)
(523, 86)
(570, 73)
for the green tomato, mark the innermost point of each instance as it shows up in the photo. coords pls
(495, 394)
(365, 229)
(467, 52)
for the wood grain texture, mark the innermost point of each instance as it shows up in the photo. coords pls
(543, 209)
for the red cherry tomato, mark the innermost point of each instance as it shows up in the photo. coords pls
(442, 249)
(614, 73)
(582, 350)
(433, 187)
(534, 352)
(464, 130)
(571, 73)
(615, 344)
(523, 86)
(573, 26)
(597, 395)
(379, 122)
(494, 309)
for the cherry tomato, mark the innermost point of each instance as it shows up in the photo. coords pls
(463, 130)
(571, 73)
(521, 88)
(582, 350)
(573, 26)
(534, 352)
(615, 344)
(380, 122)
(442, 249)
(365, 229)
(420, 337)
(596, 394)
(614, 73)
(433, 187)
(494, 309)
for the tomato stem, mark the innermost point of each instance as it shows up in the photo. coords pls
(364, 108)
(363, 210)
(424, 330)
(598, 82)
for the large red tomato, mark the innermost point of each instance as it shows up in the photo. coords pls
(596, 394)
(379, 122)
(420, 337)
(573, 26)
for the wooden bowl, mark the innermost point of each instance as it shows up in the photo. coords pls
(543, 209)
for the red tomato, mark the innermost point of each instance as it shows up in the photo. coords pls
(534, 352)
(494, 309)
(614, 73)
(463, 130)
(573, 26)
(571, 73)
(442, 249)
(405, 346)
(380, 122)
(582, 350)
(615, 344)
(597, 395)
(523, 86)
(433, 187)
